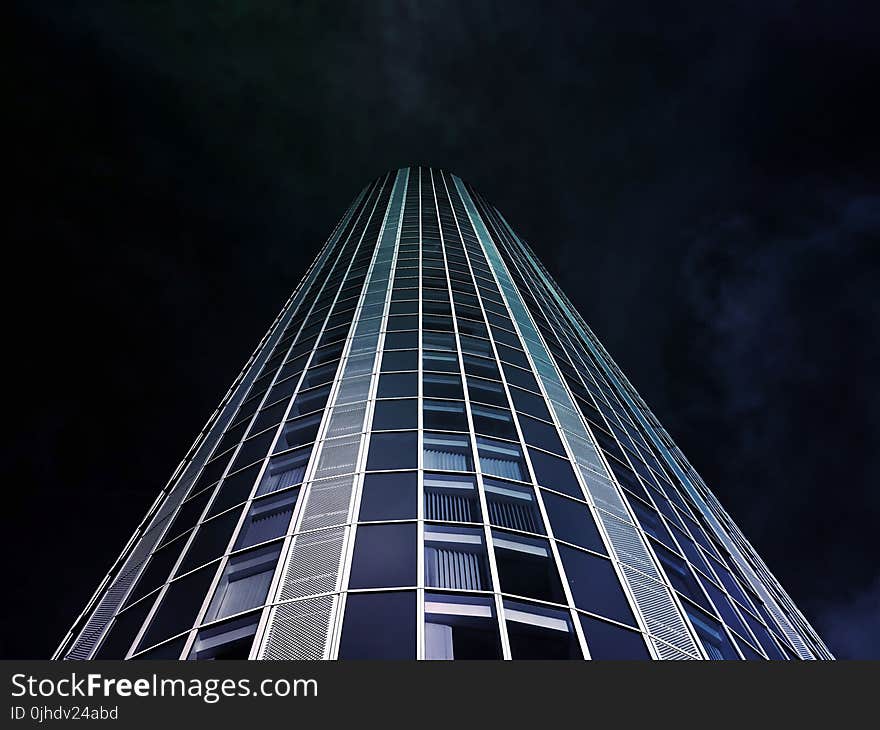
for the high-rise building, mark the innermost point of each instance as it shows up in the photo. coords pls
(430, 455)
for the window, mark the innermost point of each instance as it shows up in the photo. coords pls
(397, 385)
(436, 322)
(253, 449)
(245, 582)
(540, 434)
(396, 414)
(712, 636)
(680, 576)
(400, 360)
(501, 459)
(572, 522)
(392, 496)
(125, 627)
(235, 489)
(435, 385)
(447, 452)
(319, 375)
(379, 626)
(529, 403)
(384, 556)
(188, 515)
(513, 506)
(230, 640)
(525, 567)
(284, 471)
(282, 390)
(538, 632)
(460, 627)
(270, 416)
(494, 422)
(309, 401)
(455, 557)
(445, 415)
(609, 641)
(298, 432)
(398, 450)
(156, 572)
(451, 498)
(210, 541)
(446, 362)
(476, 346)
(438, 341)
(481, 367)
(594, 585)
(401, 340)
(486, 391)
(267, 519)
(179, 606)
(555, 473)
(403, 322)
(408, 307)
(650, 521)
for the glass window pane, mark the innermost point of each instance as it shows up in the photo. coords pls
(396, 414)
(538, 632)
(572, 522)
(401, 340)
(526, 568)
(245, 582)
(299, 432)
(486, 391)
(446, 362)
(455, 557)
(451, 498)
(445, 415)
(447, 452)
(540, 434)
(460, 627)
(177, 611)
(529, 403)
(267, 519)
(501, 459)
(400, 360)
(555, 473)
(609, 641)
(594, 585)
(398, 450)
(210, 541)
(513, 506)
(436, 385)
(379, 626)
(284, 471)
(396, 385)
(229, 640)
(392, 496)
(384, 556)
(494, 422)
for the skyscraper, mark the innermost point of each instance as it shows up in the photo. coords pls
(430, 455)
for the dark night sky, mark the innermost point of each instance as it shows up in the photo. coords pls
(703, 179)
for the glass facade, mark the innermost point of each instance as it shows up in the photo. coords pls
(431, 456)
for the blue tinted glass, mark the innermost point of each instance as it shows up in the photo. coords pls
(392, 496)
(393, 451)
(594, 585)
(384, 556)
(555, 473)
(572, 522)
(379, 626)
(396, 414)
(608, 641)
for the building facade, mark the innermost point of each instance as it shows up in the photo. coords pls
(431, 456)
